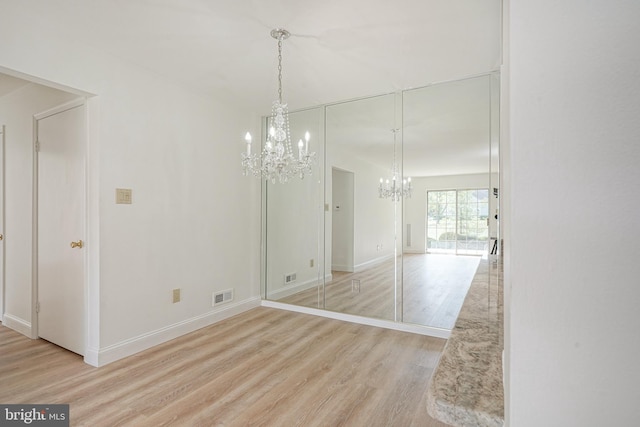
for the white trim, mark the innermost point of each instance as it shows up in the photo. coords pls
(91, 356)
(495, 70)
(34, 230)
(17, 324)
(37, 80)
(413, 251)
(362, 266)
(92, 229)
(145, 341)
(2, 220)
(340, 267)
(368, 264)
(60, 108)
(300, 287)
(386, 324)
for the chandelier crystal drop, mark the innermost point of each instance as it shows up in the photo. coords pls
(392, 188)
(277, 161)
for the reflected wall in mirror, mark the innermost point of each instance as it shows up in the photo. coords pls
(293, 222)
(448, 222)
(410, 260)
(361, 235)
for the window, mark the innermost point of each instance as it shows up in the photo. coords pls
(457, 221)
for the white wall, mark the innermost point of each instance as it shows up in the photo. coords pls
(574, 274)
(16, 112)
(294, 216)
(293, 235)
(192, 224)
(194, 221)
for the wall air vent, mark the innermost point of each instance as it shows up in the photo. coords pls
(222, 297)
(289, 278)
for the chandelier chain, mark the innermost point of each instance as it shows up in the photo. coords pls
(280, 69)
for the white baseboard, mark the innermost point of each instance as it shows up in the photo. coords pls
(17, 324)
(91, 356)
(368, 264)
(362, 266)
(294, 289)
(387, 324)
(142, 342)
(340, 267)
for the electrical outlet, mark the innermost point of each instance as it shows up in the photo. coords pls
(176, 295)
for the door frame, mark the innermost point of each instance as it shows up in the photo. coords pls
(2, 223)
(34, 264)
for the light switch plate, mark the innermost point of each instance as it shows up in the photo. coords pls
(123, 196)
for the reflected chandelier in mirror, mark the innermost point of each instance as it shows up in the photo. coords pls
(393, 189)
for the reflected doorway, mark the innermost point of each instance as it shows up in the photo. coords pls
(342, 211)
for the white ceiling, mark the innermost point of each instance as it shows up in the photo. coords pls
(339, 50)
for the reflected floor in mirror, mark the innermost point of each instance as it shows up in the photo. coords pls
(434, 287)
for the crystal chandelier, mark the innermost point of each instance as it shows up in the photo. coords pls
(393, 189)
(277, 161)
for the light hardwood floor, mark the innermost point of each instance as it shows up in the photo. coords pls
(434, 287)
(265, 367)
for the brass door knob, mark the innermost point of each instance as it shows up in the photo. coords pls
(79, 244)
(1, 237)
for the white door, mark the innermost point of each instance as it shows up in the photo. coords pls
(2, 223)
(61, 227)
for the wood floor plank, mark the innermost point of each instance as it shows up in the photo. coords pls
(433, 290)
(265, 367)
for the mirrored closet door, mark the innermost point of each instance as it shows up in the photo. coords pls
(362, 144)
(400, 209)
(449, 220)
(293, 224)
